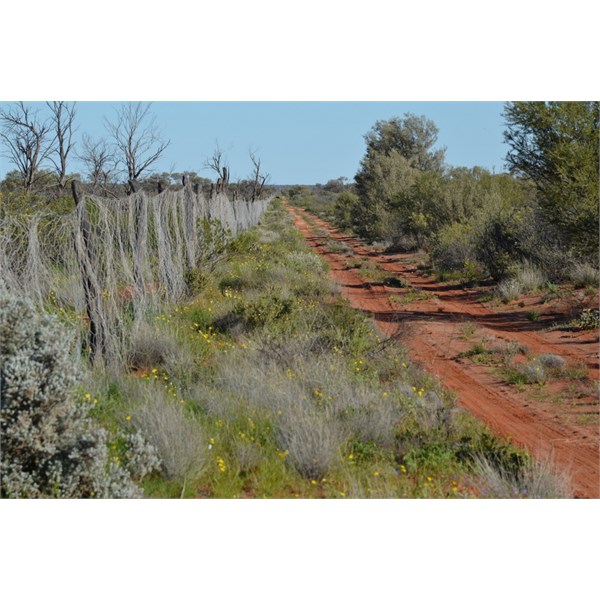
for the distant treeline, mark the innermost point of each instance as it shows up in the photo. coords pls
(544, 210)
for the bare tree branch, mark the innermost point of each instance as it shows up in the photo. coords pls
(26, 141)
(62, 119)
(98, 158)
(218, 164)
(137, 139)
(258, 179)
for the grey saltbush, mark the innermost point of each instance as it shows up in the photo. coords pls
(49, 445)
(141, 456)
(552, 361)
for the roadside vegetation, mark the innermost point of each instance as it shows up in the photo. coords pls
(264, 383)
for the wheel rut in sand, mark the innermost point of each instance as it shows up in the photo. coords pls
(431, 324)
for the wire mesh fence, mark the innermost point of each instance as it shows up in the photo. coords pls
(112, 261)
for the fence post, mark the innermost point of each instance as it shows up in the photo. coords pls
(91, 288)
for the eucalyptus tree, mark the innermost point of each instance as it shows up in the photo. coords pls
(397, 150)
(555, 144)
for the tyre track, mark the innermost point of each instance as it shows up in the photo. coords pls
(535, 426)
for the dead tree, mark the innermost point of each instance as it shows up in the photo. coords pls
(99, 161)
(137, 139)
(62, 119)
(217, 164)
(258, 179)
(26, 141)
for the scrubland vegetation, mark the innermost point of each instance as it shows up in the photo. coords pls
(260, 383)
(191, 345)
(526, 230)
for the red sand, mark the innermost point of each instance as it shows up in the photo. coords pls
(565, 433)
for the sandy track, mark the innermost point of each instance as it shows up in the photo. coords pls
(431, 329)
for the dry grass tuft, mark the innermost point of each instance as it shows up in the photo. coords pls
(179, 440)
(535, 480)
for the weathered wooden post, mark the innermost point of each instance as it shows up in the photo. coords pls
(141, 226)
(91, 289)
(225, 178)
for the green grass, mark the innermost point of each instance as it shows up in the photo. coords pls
(410, 296)
(373, 272)
(338, 247)
(533, 316)
(468, 330)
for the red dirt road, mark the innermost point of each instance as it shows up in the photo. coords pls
(557, 422)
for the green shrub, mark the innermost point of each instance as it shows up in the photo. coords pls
(527, 373)
(453, 247)
(214, 243)
(533, 315)
(509, 236)
(50, 446)
(497, 244)
(245, 243)
(589, 319)
(196, 280)
(264, 310)
(485, 446)
(344, 208)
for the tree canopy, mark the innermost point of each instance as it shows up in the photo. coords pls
(397, 151)
(413, 137)
(556, 145)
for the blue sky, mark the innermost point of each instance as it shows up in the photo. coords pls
(302, 142)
